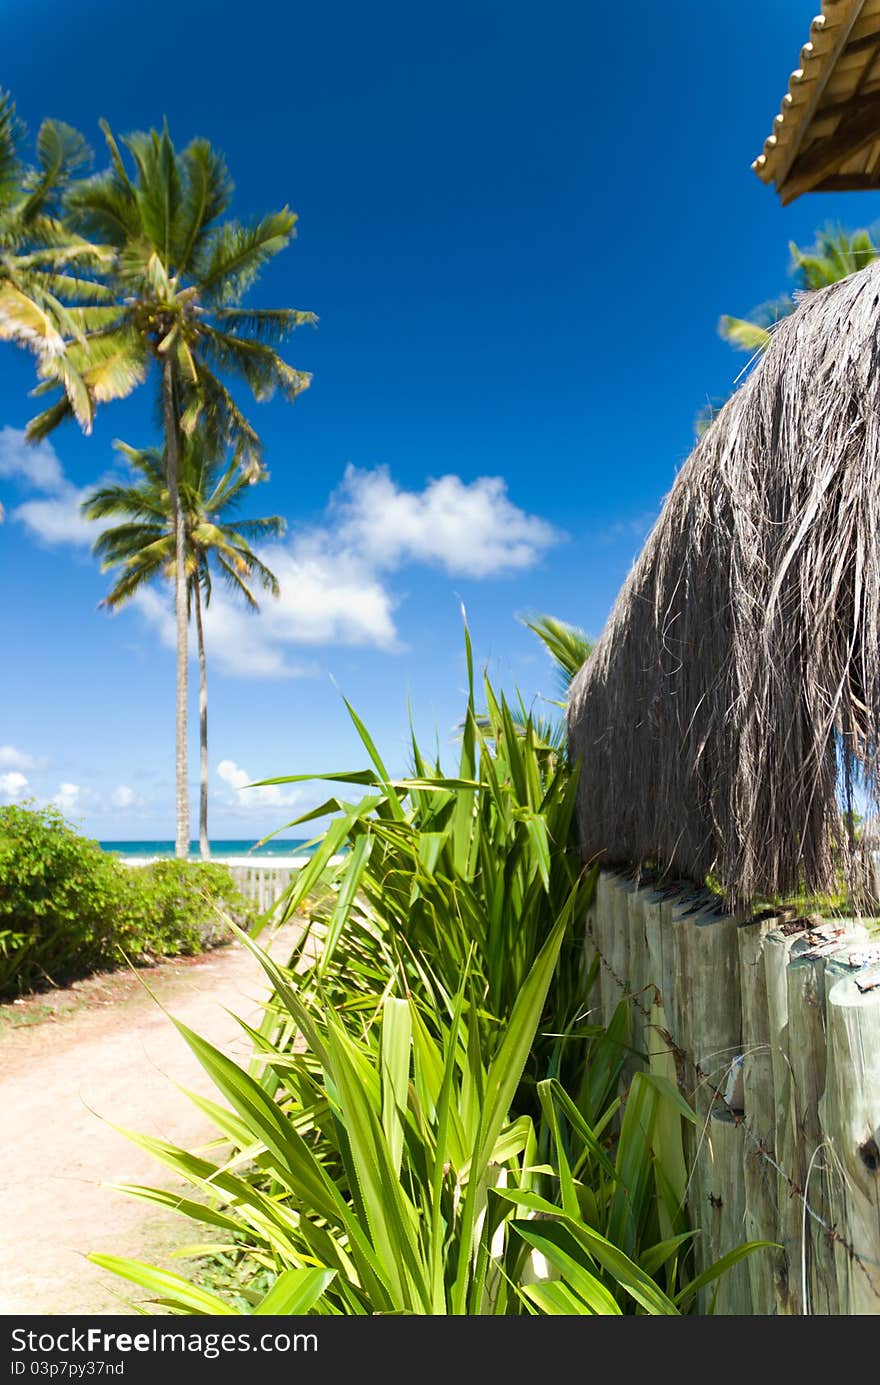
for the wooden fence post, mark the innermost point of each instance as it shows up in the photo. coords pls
(604, 920)
(638, 965)
(759, 1177)
(851, 1118)
(707, 966)
(722, 1212)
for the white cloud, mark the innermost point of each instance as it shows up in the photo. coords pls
(12, 786)
(123, 797)
(55, 518)
(268, 795)
(332, 576)
(35, 465)
(471, 529)
(324, 600)
(12, 758)
(67, 797)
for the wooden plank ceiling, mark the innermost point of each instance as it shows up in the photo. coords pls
(826, 137)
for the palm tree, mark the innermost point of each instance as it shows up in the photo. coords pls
(834, 255)
(44, 267)
(178, 278)
(143, 547)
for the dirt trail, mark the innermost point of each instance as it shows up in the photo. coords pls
(106, 1052)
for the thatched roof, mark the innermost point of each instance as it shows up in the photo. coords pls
(735, 690)
(826, 137)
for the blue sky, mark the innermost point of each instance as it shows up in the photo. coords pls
(518, 227)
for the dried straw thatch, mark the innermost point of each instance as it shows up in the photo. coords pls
(735, 693)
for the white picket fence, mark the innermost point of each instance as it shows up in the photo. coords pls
(261, 883)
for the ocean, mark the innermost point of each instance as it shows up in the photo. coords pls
(220, 847)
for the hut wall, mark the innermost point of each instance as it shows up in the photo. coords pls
(771, 1028)
(733, 698)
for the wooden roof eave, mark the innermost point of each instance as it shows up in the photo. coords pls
(827, 133)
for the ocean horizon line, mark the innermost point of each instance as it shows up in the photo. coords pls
(218, 846)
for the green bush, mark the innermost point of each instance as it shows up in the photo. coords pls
(180, 907)
(67, 908)
(60, 897)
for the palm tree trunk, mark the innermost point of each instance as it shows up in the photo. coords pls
(204, 848)
(172, 463)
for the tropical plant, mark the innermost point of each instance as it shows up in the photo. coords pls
(430, 1120)
(439, 867)
(45, 268)
(834, 255)
(391, 1165)
(142, 547)
(177, 281)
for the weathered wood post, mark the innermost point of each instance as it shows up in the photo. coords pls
(617, 940)
(798, 1050)
(604, 925)
(777, 948)
(638, 964)
(660, 974)
(801, 1153)
(707, 971)
(723, 1210)
(851, 1118)
(759, 1177)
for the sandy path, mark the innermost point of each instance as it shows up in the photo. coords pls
(112, 1056)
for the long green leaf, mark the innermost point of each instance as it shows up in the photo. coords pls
(295, 1291)
(163, 1283)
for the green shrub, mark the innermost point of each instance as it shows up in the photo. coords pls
(60, 898)
(180, 908)
(67, 908)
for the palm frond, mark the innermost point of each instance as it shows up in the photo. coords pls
(235, 581)
(743, 334)
(42, 424)
(259, 365)
(62, 153)
(23, 320)
(272, 527)
(159, 189)
(566, 644)
(104, 208)
(234, 255)
(269, 325)
(127, 544)
(11, 132)
(131, 581)
(207, 193)
(144, 503)
(224, 425)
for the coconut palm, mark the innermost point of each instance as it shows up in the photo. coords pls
(178, 279)
(834, 255)
(44, 267)
(142, 547)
